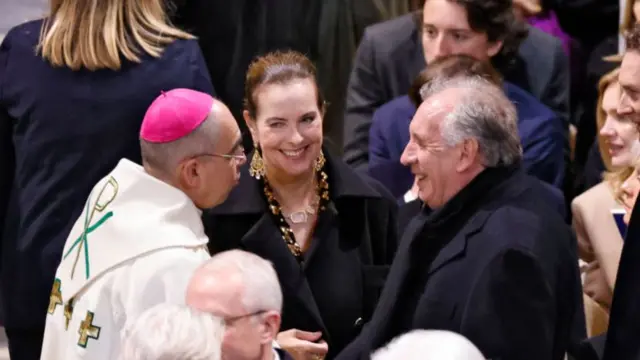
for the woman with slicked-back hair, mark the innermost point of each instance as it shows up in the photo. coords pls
(74, 88)
(329, 231)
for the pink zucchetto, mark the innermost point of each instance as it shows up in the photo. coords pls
(175, 114)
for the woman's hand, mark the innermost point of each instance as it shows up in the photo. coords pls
(526, 8)
(303, 345)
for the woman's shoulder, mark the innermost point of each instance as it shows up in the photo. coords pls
(598, 197)
(25, 35)
(183, 46)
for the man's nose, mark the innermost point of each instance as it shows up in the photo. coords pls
(442, 47)
(407, 157)
(241, 160)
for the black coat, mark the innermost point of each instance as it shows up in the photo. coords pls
(336, 287)
(624, 322)
(60, 132)
(495, 264)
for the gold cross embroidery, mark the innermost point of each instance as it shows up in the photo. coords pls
(68, 312)
(55, 298)
(88, 330)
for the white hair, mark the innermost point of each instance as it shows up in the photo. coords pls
(164, 157)
(261, 289)
(172, 332)
(482, 112)
(429, 345)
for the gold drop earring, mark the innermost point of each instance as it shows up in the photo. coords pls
(256, 168)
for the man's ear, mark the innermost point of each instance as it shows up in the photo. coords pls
(251, 125)
(494, 48)
(188, 174)
(270, 327)
(468, 154)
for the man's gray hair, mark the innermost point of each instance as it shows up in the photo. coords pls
(429, 345)
(165, 157)
(261, 290)
(172, 332)
(482, 112)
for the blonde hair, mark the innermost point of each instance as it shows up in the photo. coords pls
(613, 176)
(95, 34)
(628, 19)
(605, 82)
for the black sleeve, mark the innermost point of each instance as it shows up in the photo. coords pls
(364, 96)
(511, 310)
(7, 154)
(557, 94)
(588, 21)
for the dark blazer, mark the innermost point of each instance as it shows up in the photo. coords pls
(67, 129)
(336, 287)
(540, 129)
(495, 264)
(390, 56)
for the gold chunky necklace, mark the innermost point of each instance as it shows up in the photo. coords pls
(297, 217)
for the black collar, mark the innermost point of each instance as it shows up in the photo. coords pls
(344, 184)
(471, 195)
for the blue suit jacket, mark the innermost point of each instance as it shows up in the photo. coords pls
(541, 134)
(60, 132)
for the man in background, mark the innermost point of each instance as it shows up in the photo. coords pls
(392, 54)
(243, 289)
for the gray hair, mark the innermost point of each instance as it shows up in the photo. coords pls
(482, 112)
(172, 332)
(261, 291)
(429, 345)
(165, 157)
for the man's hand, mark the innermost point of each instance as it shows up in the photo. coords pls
(303, 345)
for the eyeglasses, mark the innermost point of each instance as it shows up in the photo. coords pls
(236, 153)
(237, 157)
(232, 319)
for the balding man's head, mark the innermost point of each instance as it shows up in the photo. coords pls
(203, 163)
(463, 126)
(243, 289)
(429, 345)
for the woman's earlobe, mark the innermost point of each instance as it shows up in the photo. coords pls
(251, 124)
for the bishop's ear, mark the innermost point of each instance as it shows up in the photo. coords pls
(189, 174)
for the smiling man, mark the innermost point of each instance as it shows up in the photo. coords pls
(492, 261)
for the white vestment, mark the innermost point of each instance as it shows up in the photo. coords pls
(136, 244)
